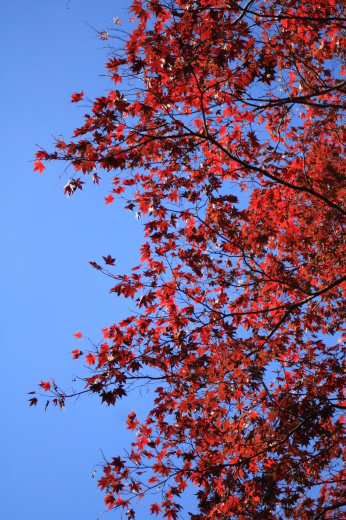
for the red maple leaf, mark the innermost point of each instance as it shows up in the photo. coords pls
(76, 353)
(109, 199)
(77, 97)
(132, 421)
(39, 166)
(45, 385)
(155, 508)
(104, 35)
(90, 359)
(109, 260)
(41, 155)
(95, 266)
(78, 335)
(95, 178)
(78, 182)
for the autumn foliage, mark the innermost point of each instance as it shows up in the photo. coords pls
(225, 132)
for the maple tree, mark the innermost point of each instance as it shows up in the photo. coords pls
(227, 136)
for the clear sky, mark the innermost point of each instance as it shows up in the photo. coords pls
(48, 290)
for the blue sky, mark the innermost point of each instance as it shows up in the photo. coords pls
(48, 290)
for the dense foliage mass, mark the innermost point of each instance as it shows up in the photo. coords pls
(226, 133)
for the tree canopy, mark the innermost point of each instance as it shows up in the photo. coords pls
(224, 131)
